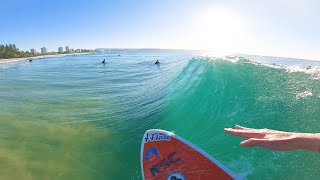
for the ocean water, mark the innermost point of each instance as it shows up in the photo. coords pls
(74, 118)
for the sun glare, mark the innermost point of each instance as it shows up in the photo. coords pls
(219, 31)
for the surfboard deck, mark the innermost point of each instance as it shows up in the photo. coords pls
(167, 156)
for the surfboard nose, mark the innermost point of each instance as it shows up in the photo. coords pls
(165, 155)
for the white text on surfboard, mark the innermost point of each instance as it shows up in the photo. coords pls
(156, 137)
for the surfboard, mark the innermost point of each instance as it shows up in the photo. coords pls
(166, 156)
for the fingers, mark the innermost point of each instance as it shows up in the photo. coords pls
(241, 127)
(245, 133)
(265, 143)
(250, 142)
(245, 128)
(256, 142)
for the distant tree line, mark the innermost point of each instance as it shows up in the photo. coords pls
(11, 51)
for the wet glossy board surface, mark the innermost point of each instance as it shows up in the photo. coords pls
(165, 155)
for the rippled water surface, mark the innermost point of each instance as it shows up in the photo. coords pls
(73, 117)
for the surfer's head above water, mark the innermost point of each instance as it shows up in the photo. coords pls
(157, 62)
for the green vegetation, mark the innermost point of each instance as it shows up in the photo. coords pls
(11, 51)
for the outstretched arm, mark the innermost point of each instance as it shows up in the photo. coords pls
(276, 140)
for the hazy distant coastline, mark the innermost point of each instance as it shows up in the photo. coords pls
(10, 60)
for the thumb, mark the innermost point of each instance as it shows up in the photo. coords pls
(250, 142)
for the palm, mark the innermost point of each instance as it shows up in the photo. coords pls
(271, 139)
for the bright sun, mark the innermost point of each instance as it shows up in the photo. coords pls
(219, 30)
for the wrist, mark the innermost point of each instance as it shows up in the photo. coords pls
(309, 141)
(317, 139)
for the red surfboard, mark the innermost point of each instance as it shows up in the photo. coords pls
(167, 156)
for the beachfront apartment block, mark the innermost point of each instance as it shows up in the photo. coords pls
(33, 51)
(67, 49)
(44, 51)
(78, 50)
(60, 50)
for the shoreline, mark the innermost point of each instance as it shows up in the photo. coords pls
(11, 60)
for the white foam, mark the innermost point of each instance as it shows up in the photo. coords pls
(314, 70)
(303, 94)
(297, 68)
(233, 59)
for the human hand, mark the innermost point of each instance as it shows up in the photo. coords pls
(276, 140)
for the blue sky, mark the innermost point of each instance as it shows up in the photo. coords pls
(287, 28)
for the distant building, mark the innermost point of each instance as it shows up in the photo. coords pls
(60, 50)
(51, 53)
(33, 51)
(44, 51)
(67, 49)
(78, 50)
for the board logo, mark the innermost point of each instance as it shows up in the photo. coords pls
(176, 176)
(149, 137)
(164, 164)
(151, 153)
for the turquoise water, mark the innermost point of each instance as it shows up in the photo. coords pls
(73, 117)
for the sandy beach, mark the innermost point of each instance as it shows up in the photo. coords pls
(11, 60)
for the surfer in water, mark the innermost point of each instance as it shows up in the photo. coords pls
(276, 140)
(30, 60)
(104, 61)
(157, 62)
(309, 67)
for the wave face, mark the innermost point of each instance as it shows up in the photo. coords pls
(210, 94)
(88, 119)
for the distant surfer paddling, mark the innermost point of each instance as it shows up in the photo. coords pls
(30, 60)
(157, 62)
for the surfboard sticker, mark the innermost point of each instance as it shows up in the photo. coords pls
(167, 156)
